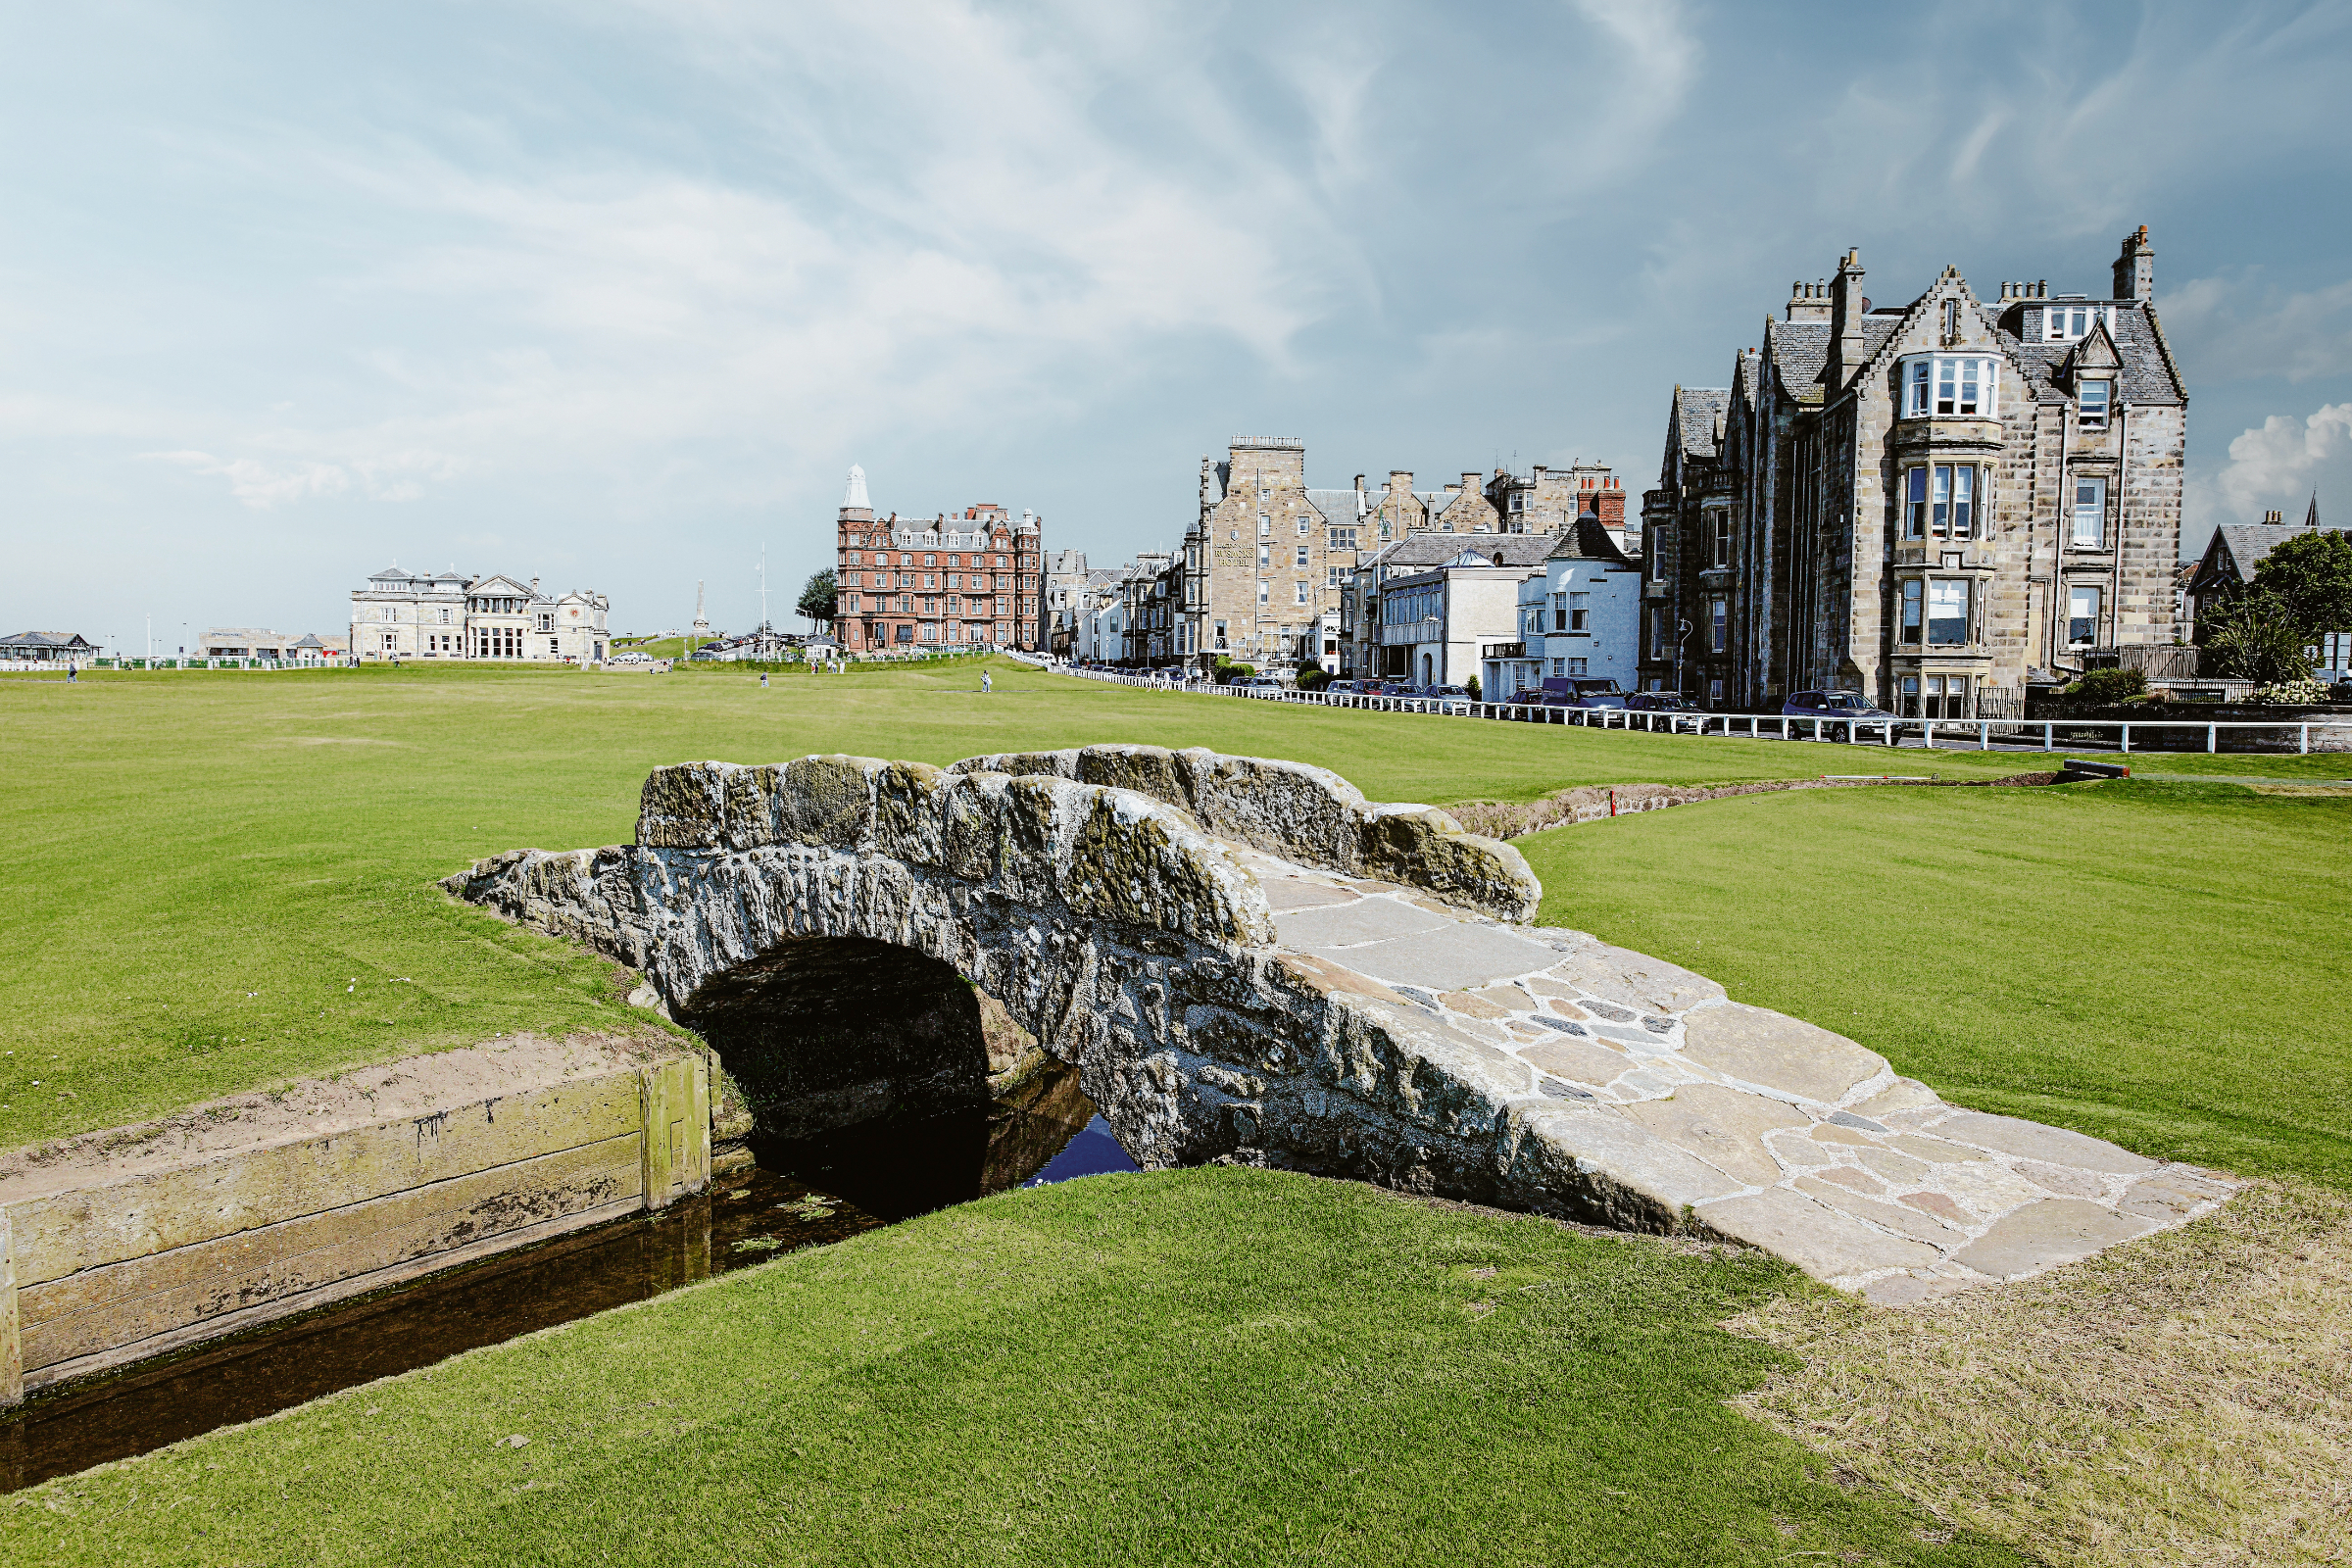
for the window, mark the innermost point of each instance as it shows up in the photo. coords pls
(930, 560)
(2082, 616)
(2092, 403)
(1301, 562)
(1914, 597)
(2063, 324)
(2091, 513)
(1908, 707)
(1715, 690)
(1302, 523)
(1580, 611)
(1265, 494)
(1719, 624)
(1332, 577)
(1722, 539)
(1266, 525)
(1518, 500)
(1559, 666)
(1342, 539)
(955, 580)
(1577, 666)
(1658, 631)
(1265, 557)
(1947, 610)
(1300, 587)
(1559, 612)
(1940, 500)
(1949, 385)
(1947, 697)
(1263, 589)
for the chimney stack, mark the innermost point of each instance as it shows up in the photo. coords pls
(1846, 308)
(2135, 268)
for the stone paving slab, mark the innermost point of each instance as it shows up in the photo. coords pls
(1758, 1127)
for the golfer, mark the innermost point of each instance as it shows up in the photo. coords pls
(985, 686)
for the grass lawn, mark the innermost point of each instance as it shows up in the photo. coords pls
(226, 879)
(2160, 964)
(1216, 1366)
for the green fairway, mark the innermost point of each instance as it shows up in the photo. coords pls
(2160, 964)
(1217, 1366)
(226, 880)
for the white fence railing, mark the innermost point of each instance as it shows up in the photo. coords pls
(1980, 734)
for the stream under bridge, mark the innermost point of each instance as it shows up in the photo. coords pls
(1249, 961)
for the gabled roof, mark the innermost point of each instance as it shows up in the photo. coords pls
(45, 639)
(2241, 546)
(1588, 540)
(1699, 409)
(491, 585)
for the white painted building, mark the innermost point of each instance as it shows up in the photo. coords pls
(1581, 618)
(450, 614)
(1437, 605)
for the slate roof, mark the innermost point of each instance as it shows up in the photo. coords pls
(2246, 543)
(1428, 551)
(1799, 349)
(45, 639)
(1700, 407)
(1588, 540)
(1339, 505)
(2145, 377)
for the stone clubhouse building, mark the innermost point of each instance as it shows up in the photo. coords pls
(453, 615)
(1933, 502)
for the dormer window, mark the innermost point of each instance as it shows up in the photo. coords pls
(2065, 324)
(2091, 403)
(1950, 386)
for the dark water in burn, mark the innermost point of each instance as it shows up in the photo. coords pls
(800, 1194)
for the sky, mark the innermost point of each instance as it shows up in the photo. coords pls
(612, 294)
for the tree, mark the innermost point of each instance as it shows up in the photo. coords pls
(817, 596)
(2311, 577)
(2253, 638)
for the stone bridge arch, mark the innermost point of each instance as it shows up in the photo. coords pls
(1247, 961)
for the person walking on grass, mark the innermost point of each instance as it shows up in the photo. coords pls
(764, 681)
(985, 684)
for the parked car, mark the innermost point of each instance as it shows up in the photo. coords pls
(1348, 688)
(1608, 699)
(1258, 680)
(1832, 704)
(1664, 702)
(1449, 693)
(1826, 706)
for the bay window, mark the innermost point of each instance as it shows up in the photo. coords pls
(1947, 609)
(1940, 499)
(1914, 597)
(1949, 385)
(2091, 513)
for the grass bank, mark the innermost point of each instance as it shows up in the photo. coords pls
(1217, 1366)
(2158, 964)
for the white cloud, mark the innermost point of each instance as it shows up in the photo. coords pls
(2275, 465)
(264, 486)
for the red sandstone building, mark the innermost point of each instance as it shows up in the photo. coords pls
(918, 585)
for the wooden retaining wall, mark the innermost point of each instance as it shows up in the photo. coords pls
(93, 1277)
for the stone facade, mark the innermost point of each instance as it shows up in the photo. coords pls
(920, 585)
(1930, 503)
(1248, 962)
(449, 614)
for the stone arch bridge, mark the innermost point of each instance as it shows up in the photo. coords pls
(1249, 961)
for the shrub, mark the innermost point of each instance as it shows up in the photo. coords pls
(1475, 689)
(1228, 672)
(2109, 686)
(1314, 678)
(2253, 638)
(2294, 693)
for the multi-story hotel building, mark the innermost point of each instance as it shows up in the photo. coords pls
(452, 615)
(1934, 503)
(910, 585)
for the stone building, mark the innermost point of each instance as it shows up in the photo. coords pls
(1270, 568)
(452, 615)
(2229, 565)
(1930, 503)
(916, 585)
(1065, 593)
